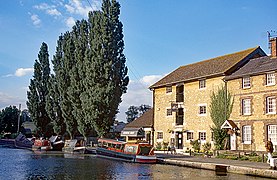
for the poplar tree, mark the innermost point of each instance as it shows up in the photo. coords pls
(63, 62)
(53, 107)
(106, 73)
(38, 91)
(220, 108)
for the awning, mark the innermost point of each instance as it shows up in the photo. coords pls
(133, 132)
(229, 124)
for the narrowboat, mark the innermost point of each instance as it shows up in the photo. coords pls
(139, 152)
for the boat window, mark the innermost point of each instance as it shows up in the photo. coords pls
(144, 150)
(131, 149)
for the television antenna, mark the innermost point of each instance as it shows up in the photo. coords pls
(271, 34)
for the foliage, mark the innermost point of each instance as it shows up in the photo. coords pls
(158, 146)
(9, 120)
(195, 145)
(134, 112)
(206, 147)
(38, 90)
(220, 108)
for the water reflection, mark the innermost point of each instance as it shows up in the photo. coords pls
(23, 164)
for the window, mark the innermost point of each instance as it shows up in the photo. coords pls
(168, 89)
(246, 82)
(202, 84)
(246, 134)
(246, 107)
(272, 133)
(189, 135)
(271, 105)
(169, 112)
(202, 110)
(159, 135)
(270, 79)
(202, 136)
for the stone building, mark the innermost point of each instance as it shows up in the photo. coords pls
(254, 112)
(181, 99)
(141, 128)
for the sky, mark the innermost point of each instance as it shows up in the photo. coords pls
(159, 36)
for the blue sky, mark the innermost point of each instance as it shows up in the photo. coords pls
(159, 37)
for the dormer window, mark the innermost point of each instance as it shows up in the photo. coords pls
(168, 89)
(202, 83)
(246, 83)
(270, 79)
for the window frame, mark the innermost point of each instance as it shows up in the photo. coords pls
(160, 135)
(246, 82)
(246, 134)
(270, 79)
(191, 136)
(246, 107)
(202, 135)
(271, 107)
(168, 89)
(169, 112)
(202, 109)
(202, 84)
(272, 134)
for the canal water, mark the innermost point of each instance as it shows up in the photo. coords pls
(24, 164)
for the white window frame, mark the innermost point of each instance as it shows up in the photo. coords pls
(160, 136)
(246, 82)
(169, 112)
(271, 105)
(191, 139)
(168, 89)
(246, 106)
(246, 134)
(202, 84)
(270, 79)
(272, 133)
(202, 109)
(202, 136)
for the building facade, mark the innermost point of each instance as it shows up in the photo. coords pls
(254, 91)
(181, 99)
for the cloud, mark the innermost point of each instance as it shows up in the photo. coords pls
(77, 7)
(138, 93)
(8, 100)
(70, 22)
(23, 71)
(36, 20)
(53, 12)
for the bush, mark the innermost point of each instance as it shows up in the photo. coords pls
(158, 146)
(195, 145)
(207, 147)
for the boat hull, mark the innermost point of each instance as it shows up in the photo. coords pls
(106, 153)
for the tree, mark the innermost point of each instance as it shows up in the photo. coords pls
(134, 112)
(38, 91)
(63, 61)
(106, 73)
(9, 119)
(220, 108)
(53, 107)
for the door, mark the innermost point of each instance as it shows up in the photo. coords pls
(233, 141)
(179, 138)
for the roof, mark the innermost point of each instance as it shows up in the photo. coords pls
(254, 67)
(208, 68)
(229, 124)
(146, 120)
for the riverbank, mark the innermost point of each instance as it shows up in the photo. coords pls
(220, 166)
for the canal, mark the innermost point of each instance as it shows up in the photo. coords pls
(24, 164)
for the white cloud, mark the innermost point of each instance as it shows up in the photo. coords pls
(42, 6)
(36, 20)
(23, 71)
(53, 12)
(138, 93)
(77, 7)
(8, 100)
(70, 22)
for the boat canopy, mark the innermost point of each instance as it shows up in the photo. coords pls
(133, 132)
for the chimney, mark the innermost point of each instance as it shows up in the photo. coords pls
(273, 47)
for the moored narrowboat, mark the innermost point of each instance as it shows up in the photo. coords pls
(139, 152)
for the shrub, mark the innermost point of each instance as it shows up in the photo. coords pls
(158, 146)
(207, 147)
(195, 145)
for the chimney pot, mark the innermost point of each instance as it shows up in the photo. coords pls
(273, 46)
